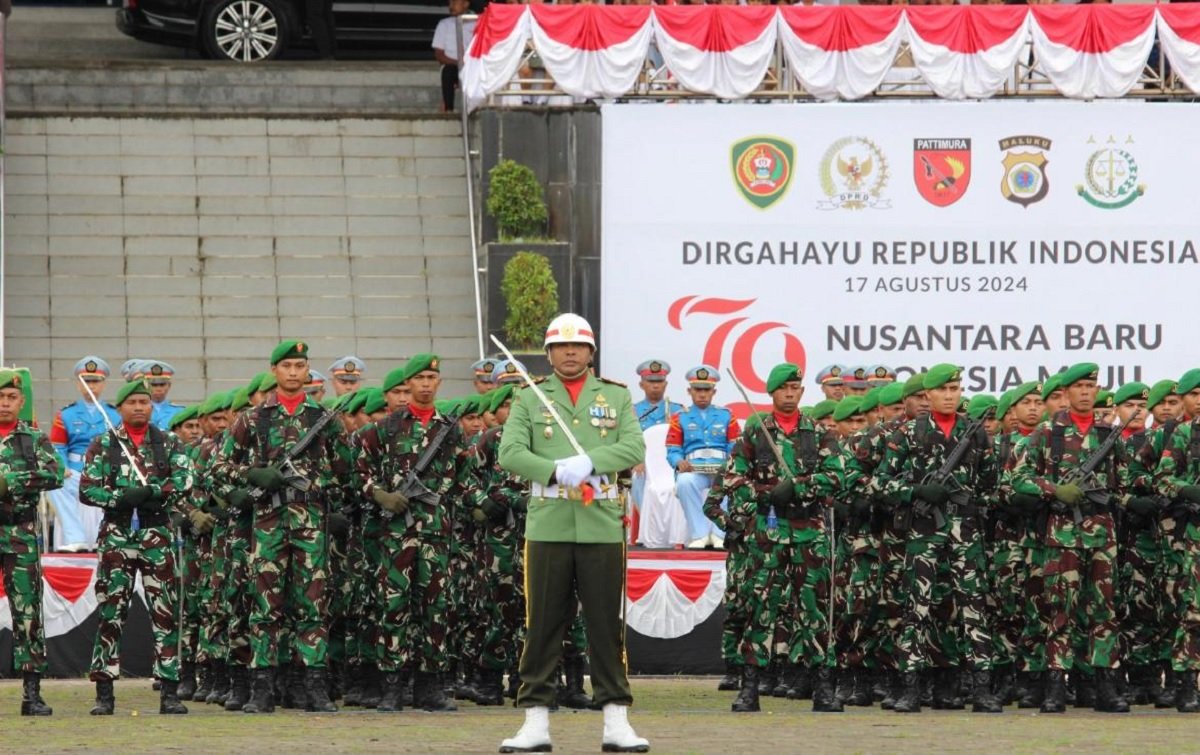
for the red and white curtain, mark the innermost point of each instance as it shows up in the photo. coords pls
(670, 593)
(835, 52)
(68, 594)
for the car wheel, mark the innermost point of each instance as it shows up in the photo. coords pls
(246, 31)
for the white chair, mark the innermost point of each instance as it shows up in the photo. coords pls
(662, 523)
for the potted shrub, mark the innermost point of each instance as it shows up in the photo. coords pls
(530, 300)
(516, 201)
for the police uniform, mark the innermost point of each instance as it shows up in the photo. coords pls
(483, 370)
(348, 374)
(703, 438)
(833, 385)
(160, 373)
(74, 427)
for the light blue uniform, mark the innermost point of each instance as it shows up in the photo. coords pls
(649, 415)
(161, 413)
(703, 440)
(81, 422)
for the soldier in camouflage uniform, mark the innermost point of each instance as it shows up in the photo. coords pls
(28, 467)
(197, 550)
(289, 561)
(1080, 538)
(109, 482)
(943, 518)
(738, 583)
(789, 539)
(1178, 480)
(415, 534)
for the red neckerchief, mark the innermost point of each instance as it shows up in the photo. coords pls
(945, 422)
(1026, 431)
(424, 416)
(1083, 422)
(290, 403)
(1128, 431)
(574, 387)
(6, 430)
(787, 422)
(137, 435)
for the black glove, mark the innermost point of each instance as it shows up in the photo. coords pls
(1190, 493)
(494, 511)
(238, 499)
(841, 509)
(782, 495)
(132, 498)
(860, 506)
(935, 494)
(1142, 505)
(1025, 504)
(520, 505)
(269, 479)
(338, 524)
(154, 503)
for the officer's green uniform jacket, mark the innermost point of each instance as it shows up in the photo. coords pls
(604, 424)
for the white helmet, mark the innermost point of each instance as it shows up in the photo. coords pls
(569, 328)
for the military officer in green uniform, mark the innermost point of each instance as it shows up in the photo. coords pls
(575, 533)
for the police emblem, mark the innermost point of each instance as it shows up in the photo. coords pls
(156, 370)
(91, 367)
(1024, 180)
(854, 173)
(702, 374)
(762, 169)
(942, 169)
(655, 367)
(1110, 177)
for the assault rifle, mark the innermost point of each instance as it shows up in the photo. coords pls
(286, 465)
(410, 485)
(1085, 475)
(944, 474)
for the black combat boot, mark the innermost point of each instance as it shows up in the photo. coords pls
(204, 685)
(353, 697)
(316, 690)
(1107, 700)
(802, 686)
(1170, 685)
(429, 694)
(860, 692)
(573, 695)
(1084, 685)
(730, 682)
(1005, 687)
(785, 679)
(295, 691)
(334, 680)
(106, 700)
(221, 683)
(407, 682)
(168, 699)
(187, 681)
(747, 699)
(389, 702)
(895, 690)
(1035, 689)
(490, 687)
(766, 678)
(262, 692)
(32, 703)
(468, 688)
(824, 699)
(1054, 699)
(514, 683)
(1144, 684)
(982, 699)
(910, 698)
(1186, 698)
(945, 689)
(239, 688)
(370, 692)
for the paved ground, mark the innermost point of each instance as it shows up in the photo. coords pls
(678, 715)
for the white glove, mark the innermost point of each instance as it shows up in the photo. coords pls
(573, 470)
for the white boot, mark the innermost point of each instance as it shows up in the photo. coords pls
(619, 736)
(534, 735)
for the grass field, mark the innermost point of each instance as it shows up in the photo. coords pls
(678, 715)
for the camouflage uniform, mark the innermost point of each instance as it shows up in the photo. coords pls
(1140, 562)
(123, 551)
(1172, 527)
(738, 574)
(1177, 476)
(29, 466)
(289, 558)
(861, 569)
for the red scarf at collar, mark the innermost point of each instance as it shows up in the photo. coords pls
(1083, 422)
(424, 416)
(575, 387)
(787, 422)
(6, 430)
(290, 403)
(137, 435)
(945, 422)
(1026, 431)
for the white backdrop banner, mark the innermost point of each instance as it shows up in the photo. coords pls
(1013, 238)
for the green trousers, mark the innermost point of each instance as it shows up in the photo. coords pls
(559, 577)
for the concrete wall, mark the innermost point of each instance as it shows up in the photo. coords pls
(203, 241)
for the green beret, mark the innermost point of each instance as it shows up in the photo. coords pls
(870, 399)
(1011, 397)
(240, 398)
(179, 417)
(823, 409)
(980, 404)
(500, 395)
(940, 374)
(1104, 400)
(420, 363)
(256, 382)
(892, 393)
(1189, 382)
(373, 400)
(356, 401)
(1081, 371)
(227, 400)
(1004, 404)
(1159, 391)
(130, 388)
(289, 350)
(477, 404)
(205, 407)
(782, 373)
(1131, 391)
(847, 408)
(914, 385)
(330, 403)
(447, 406)
(10, 379)
(394, 378)
(268, 383)
(1052, 384)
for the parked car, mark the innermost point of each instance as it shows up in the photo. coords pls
(249, 31)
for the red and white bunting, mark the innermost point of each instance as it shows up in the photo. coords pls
(591, 50)
(841, 52)
(1179, 36)
(1092, 51)
(667, 595)
(716, 49)
(966, 51)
